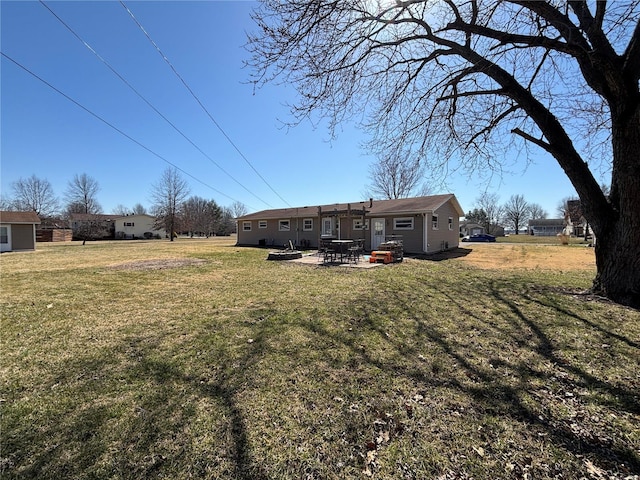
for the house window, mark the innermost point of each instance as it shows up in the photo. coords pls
(4, 235)
(358, 225)
(403, 223)
(434, 222)
(284, 225)
(129, 224)
(450, 223)
(262, 224)
(246, 226)
(307, 224)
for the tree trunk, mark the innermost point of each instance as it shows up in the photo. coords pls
(618, 238)
(618, 264)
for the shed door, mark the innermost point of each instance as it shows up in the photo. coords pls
(5, 238)
(377, 232)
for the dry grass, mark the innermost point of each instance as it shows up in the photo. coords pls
(501, 256)
(229, 366)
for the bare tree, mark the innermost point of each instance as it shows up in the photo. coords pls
(536, 211)
(227, 224)
(122, 210)
(489, 204)
(395, 177)
(138, 209)
(6, 204)
(563, 206)
(82, 193)
(35, 194)
(464, 78)
(238, 209)
(516, 212)
(167, 196)
(200, 216)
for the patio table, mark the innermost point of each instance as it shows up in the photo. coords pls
(341, 249)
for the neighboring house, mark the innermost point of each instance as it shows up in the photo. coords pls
(546, 227)
(470, 228)
(137, 226)
(18, 231)
(579, 224)
(92, 226)
(426, 224)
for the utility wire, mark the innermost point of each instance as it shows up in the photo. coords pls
(95, 115)
(164, 57)
(147, 101)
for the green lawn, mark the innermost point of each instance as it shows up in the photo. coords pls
(224, 365)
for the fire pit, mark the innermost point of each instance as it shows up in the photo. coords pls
(285, 255)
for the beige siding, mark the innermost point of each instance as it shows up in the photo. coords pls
(273, 236)
(443, 237)
(22, 237)
(141, 224)
(416, 233)
(411, 239)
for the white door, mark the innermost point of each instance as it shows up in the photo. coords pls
(377, 232)
(327, 226)
(5, 238)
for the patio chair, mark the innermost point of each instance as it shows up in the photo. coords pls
(356, 250)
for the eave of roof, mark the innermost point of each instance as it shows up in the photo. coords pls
(400, 206)
(19, 217)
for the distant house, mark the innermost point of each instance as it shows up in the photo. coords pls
(18, 231)
(579, 224)
(546, 227)
(426, 224)
(470, 228)
(137, 226)
(92, 226)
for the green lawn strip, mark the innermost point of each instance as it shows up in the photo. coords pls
(242, 368)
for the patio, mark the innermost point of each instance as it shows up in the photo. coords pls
(318, 260)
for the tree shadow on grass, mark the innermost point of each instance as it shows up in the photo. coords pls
(534, 385)
(444, 255)
(102, 435)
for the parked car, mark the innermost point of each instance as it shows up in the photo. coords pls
(479, 237)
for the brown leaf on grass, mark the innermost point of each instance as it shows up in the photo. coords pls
(383, 437)
(479, 451)
(370, 461)
(593, 470)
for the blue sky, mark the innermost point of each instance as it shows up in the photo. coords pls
(45, 134)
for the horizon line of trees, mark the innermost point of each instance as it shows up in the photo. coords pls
(516, 212)
(171, 207)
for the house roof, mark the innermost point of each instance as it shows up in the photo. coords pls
(133, 215)
(547, 222)
(19, 217)
(89, 217)
(376, 207)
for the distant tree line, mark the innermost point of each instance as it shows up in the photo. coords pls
(174, 211)
(514, 214)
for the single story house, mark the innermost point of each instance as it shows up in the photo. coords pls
(546, 227)
(470, 228)
(137, 226)
(426, 224)
(18, 231)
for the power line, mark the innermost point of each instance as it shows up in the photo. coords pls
(95, 115)
(115, 72)
(164, 57)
